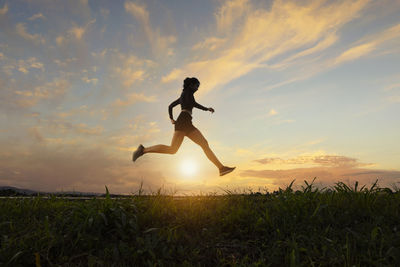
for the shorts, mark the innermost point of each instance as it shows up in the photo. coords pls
(184, 123)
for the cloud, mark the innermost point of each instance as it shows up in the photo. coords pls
(211, 43)
(160, 44)
(172, 76)
(328, 169)
(255, 36)
(326, 176)
(50, 90)
(78, 32)
(34, 133)
(322, 160)
(368, 44)
(130, 69)
(60, 40)
(231, 12)
(75, 167)
(272, 112)
(133, 98)
(355, 52)
(37, 16)
(80, 111)
(4, 9)
(75, 33)
(25, 65)
(389, 87)
(105, 12)
(384, 42)
(92, 80)
(83, 128)
(130, 76)
(394, 98)
(60, 126)
(21, 31)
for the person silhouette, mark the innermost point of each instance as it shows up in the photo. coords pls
(184, 127)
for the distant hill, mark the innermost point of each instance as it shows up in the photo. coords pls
(14, 191)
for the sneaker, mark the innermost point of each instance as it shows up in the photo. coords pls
(138, 153)
(225, 170)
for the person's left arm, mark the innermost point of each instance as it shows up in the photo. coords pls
(197, 105)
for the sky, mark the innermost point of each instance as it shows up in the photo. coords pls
(301, 89)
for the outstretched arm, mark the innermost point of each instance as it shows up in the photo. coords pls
(197, 105)
(171, 106)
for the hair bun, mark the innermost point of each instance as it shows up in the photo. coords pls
(189, 81)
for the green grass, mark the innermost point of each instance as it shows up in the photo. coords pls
(339, 226)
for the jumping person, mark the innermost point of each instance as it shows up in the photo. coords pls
(184, 127)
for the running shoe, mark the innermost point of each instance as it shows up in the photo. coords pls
(225, 170)
(138, 153)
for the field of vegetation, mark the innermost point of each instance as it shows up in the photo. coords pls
(339, 226)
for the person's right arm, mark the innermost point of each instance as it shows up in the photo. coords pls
(170, 107)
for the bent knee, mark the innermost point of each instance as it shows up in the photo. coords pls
(173, 150)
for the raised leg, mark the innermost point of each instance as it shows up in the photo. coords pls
(176, 142)
(199, 139)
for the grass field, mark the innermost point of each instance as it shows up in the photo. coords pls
(338, 226)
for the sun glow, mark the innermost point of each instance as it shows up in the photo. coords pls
(188, 167)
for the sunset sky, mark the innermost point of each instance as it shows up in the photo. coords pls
(301, 89)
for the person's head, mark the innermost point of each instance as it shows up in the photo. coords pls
(191, 84)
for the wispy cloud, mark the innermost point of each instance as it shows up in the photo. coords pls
(90, 80)
(263, 34)
(74, 33)
(50, 90)
(22, 31)
(272, 112)
(161, 44)
(80, 111)
(368, 45)
(322, 160)
(130, 69)
(4, 9)
(230, 13)
(326, 176)
(62, 126)
(31, 63)
(211, 43)
(174, 75)
(133, 98)
(327, 168)
(37, 16)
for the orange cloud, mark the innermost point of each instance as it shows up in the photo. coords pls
(37, 16)
(133, 98)
(130, 69)
(161, 44)
(263, 34)
(272, 112)
(49, 90)
(4, 9)
(323, 160)
(326, 176)
(75, 167)
(74, 33)
(328, 169)
(369, 44)
(21, 31)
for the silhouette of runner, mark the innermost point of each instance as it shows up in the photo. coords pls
(184, 127)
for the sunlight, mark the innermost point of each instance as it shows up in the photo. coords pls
(188, 167)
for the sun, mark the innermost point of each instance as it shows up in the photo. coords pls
(188, 167)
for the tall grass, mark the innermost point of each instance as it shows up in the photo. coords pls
(338, 226)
